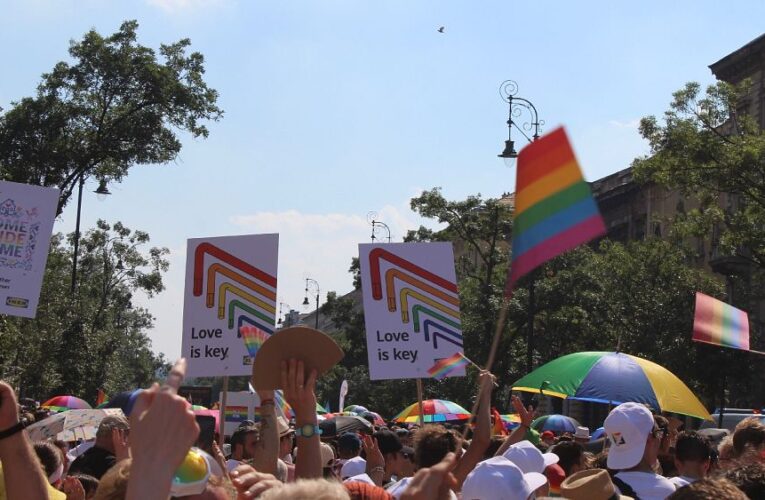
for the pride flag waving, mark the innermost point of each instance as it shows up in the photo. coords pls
(554, 209)
(716, 322)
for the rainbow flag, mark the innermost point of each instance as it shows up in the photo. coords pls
(253, 338)
(282, 407)
(716, 322)
(554, 209)
(236, 413)
(444, 367)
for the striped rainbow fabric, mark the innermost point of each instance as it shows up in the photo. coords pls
(446, 366)
(554, 209)
(716, 322)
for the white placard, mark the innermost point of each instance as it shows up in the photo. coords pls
(26, 222)
(411, 308)
(230, 281)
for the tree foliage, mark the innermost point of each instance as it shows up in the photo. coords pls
(96, 337)
(114, 106)
(713, 151)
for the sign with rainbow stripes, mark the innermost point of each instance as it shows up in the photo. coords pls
(411, 308)
(230, 284)
(718, 323)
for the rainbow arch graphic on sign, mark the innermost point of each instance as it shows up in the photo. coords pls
(436, 297)
(254, 289)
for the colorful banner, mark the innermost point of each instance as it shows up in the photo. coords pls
(240, 406)
(716, 322)
(411, 308)
(230, 283)
(554, 208)
(26, 222)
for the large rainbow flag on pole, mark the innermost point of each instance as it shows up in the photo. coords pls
(718, 323)
(554, 209)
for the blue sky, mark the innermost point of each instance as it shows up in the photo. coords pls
(336, 108)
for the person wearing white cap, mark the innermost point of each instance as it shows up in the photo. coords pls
(635, 441)
(529, 459)
(499, 479)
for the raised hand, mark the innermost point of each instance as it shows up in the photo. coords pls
(250, 484)
(73, 489)
(375, 460)
(432, 483)
(120, 443)
(526, 415)
(299, 391)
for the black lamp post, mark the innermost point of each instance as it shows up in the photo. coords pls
(281, 308)
(312, 283)
(377, 225)
(516, 106)
(102, 192)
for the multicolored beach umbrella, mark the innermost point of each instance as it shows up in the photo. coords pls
(555, 423)
(554, 208)
(434, 410)
(64, 403)
(718, 323)
(613, 378)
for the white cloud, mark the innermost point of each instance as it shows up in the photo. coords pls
(174, 6)
(633, 124)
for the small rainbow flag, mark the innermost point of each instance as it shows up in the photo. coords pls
(282, 407)
(444, 367)
(716, 322)
(554, 209)
(236, 413)
(253, 338)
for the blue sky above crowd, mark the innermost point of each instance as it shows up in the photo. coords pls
(336, 108)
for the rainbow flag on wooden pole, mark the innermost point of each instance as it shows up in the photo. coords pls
(718, 323)
(554, 209)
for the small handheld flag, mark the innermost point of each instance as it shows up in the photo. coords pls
(444, 367)
(554, 209)
(253, 338)
(718, 323)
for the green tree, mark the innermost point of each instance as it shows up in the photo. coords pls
(114, 106)
(96, 338)
(710, 149)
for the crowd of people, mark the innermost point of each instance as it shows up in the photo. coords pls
(156, 454)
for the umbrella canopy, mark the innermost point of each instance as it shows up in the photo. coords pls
(342, 424)
(510, 420)
(356, 409)
(320, 410)
(613, 378)
(435, 410)
(598, 433)
(375, 418)
(64, 403)
(124, 401)
(555, 423)
(70, 425)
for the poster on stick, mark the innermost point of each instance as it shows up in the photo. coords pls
(26, 222)
(230, 282)
(411, 308)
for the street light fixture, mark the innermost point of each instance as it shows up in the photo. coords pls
(281, 308)
(371, 216)
(312, 283)
(102, 193)
(516, 106)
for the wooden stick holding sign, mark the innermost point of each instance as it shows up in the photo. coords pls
(419, 401)
(222, 409)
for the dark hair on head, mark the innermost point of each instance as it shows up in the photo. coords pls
(494, 444)
(692, 446)
(709, 489)
(89, 484)
(431, 445)
(49, 456)
(748, 432)
(241, 433)
(749, 478)
(570, 454)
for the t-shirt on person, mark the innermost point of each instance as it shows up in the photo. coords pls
(647, 485)
(94, 462)
(680, 481)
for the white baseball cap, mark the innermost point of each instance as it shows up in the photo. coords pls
(498, 479)
(353, 467)
(528, 458)
(627, 427)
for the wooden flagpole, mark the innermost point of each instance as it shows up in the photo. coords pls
(419, 400)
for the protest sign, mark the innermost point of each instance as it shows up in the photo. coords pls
(240, 406)
(411, 308)
(230, 282)
(26, 223)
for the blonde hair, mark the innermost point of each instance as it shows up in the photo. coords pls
(113, 484)
(315, 489)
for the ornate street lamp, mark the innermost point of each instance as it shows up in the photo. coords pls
(377, 225)
(516, 107)
(312, 283)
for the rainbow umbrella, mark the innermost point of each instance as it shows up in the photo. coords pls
(64, 403)
(555, 423)
(435, 410)
(510, 420)
(613, 378)
(375, 417)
